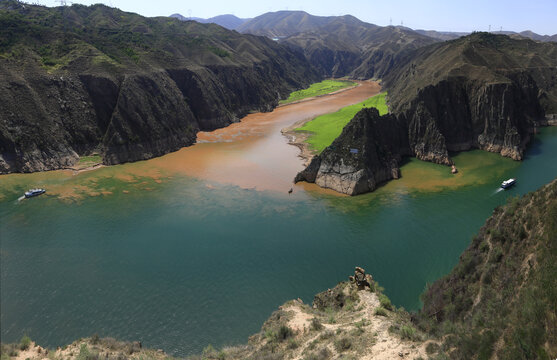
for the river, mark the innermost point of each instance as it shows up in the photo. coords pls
(199, 246)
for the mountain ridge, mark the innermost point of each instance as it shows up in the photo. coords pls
(124, 86)
(229, 21)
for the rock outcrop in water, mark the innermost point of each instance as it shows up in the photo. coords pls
(78, 80)
(367, 153)
(479, 92)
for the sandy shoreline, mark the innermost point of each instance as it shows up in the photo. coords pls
(298, 139)
(78, 170)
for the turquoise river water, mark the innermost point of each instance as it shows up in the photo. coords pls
(179, 263)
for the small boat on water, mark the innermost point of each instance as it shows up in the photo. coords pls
(34, 192)
(508, 183)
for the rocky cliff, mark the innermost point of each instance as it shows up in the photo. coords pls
(79, 80)
(482, 91)
(367, 153)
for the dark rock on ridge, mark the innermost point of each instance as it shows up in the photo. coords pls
(79, 80)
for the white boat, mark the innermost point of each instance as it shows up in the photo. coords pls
(34, 192)
(508, 183)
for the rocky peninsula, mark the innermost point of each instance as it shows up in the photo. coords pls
(482, 91)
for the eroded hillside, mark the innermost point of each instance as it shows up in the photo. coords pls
(78, 80)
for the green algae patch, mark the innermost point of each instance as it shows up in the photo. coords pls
(476, 167)
(317, 89)
(326, 128)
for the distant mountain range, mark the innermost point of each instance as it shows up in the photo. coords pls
(227, 21)
(444, 35)
(285, 23)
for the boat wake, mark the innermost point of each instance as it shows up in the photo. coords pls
(20, 198)
(497, 191)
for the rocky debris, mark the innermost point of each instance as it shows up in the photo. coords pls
(361, 279)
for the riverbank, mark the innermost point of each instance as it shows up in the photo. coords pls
(312, 141)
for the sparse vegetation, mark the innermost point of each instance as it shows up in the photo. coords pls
(502, 291)
(385, 302)
(316, 324)
(380, 311)
(342, 344)
(24, 343)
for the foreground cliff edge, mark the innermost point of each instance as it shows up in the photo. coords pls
(499, 302)
(482, 91)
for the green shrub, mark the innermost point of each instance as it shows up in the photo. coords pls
(326, 335)
(316, 324)
(24, 343)
(408, 332)
(84, 353)
(431, 348)
(380, 311)
(496, 255)
(219, 52)
(285, 332)
(293, 344)
(321, 354)
(385, 302)
(343, 344)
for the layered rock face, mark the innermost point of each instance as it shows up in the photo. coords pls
(135, 99)
(367, 153)
(457, 114)
(482, 91)
(479, 92)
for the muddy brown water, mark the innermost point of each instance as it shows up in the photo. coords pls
(253, 153)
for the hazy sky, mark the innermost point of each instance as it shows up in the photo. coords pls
(539, 16)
